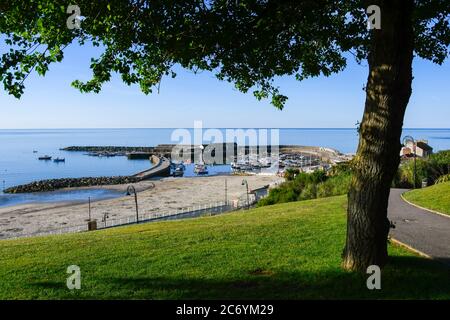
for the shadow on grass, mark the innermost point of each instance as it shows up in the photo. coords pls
(444, 260)
(403, 278)
(49, 285)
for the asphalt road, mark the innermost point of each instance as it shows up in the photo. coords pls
(420, 229)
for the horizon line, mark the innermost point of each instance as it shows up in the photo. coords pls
(182, 127)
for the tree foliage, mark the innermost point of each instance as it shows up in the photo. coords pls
(246, 42)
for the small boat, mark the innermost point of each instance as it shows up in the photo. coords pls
(178, 169)
(45, 158)
(180, 166)
(175, 165)
(35, 151)
(59, 160)
(178, 172)
(201, 169)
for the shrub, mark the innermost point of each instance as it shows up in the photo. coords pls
(334, 186)
(341, 168)
(308, 192)
(290, 174)
(307, 186)
(443, 178)
(442, 159)
(283, 193)
(430, 168)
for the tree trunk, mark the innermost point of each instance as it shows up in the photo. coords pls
(387, 94)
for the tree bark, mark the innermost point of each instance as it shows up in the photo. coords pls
(387, 94)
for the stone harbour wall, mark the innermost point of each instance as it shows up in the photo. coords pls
(55, 184)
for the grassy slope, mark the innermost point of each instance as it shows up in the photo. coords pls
(436, 197)
(284, 251)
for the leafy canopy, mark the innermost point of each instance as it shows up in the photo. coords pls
(245, 42)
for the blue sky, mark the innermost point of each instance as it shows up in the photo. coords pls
(334, 102)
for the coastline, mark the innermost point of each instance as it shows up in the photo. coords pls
(169, 194)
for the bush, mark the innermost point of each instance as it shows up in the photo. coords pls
(307, 186)
(335, 185)
(442, 159)
(430, 168)
(341, 168)
(290, 174)
(442, 179)
(283, 193)
(309, 192)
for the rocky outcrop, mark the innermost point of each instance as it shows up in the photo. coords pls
(55, 184)
(161, 168)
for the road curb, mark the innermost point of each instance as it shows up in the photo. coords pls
(429, 210)
(404, 245)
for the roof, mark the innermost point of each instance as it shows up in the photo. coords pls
(424, 146)
(259, 189)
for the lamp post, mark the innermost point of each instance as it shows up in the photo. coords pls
(89, 200)
(226, 192)
(131, 189)
(244, 182)
(405, 141)
(105, 217)
(202, 149)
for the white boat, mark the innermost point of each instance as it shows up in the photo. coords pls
(181, 166)
(200, 169)
(178, 172)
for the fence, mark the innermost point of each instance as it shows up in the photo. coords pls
(183, 213)
(210, 209)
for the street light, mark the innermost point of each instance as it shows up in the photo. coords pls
(202, 149)
(105, 217)
(226, 191)
(244, 182)
(405, 141)
(131, 189)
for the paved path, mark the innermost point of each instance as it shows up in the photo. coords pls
(420, 229)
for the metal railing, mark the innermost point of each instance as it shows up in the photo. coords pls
(207, 209)
(212, 208)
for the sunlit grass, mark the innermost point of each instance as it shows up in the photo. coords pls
(288, 251)
(436, 197)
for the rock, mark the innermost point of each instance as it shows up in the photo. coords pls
(55, 184)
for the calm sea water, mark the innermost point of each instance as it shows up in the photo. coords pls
(19, 165)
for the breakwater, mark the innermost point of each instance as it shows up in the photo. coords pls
(55, 184)
(161, 168)
(108, 149)
(221, 152)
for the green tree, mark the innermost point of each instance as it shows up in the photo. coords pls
(248, 43)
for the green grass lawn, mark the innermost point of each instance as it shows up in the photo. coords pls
(288, 251)
(436, 197)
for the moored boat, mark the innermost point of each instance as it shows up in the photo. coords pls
(45, 158)
(178, 172)
(201, 169)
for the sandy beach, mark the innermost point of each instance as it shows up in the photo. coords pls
(169, 194)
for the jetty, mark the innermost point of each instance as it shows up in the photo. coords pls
(161, 168)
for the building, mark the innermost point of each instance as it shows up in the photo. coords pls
(260, 192)
(422, 149)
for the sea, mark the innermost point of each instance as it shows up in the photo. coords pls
(20, 149)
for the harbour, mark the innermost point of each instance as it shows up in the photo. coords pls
(20, 150)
